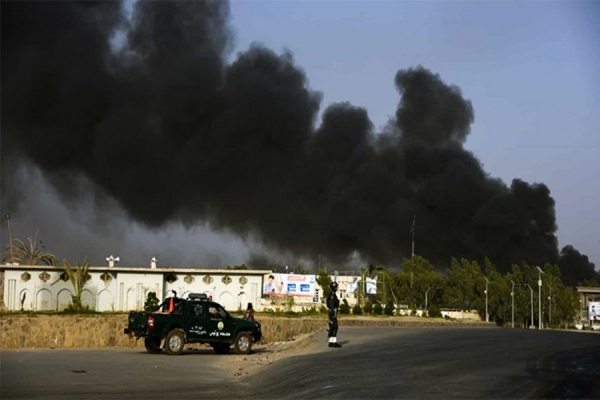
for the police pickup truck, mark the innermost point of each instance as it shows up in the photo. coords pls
(193, 320)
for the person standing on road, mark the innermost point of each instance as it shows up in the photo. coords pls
(333, 304)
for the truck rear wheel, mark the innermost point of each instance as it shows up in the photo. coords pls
(152, 345)
(243, 343)
(175, 342)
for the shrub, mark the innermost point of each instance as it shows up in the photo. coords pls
(434, 311)
(357, 310)
(323, 309)
(289, 303)
(368, 309)
(377, 309)
(73, 309)
(389, 308)
(344, 307)
(151, 303)
(413, 312)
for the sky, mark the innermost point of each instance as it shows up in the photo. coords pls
(529, 68)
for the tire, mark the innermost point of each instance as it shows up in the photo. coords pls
(243, 343)
(175, 342)
(221, 348)
(152, 345)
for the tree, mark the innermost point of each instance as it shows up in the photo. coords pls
(151, 303)
(344, 307)
(324, 281)
(417, 276)
(465, 286)
(499, 300)
(377, 309)
(31, 254)
(300, 271)
(237, 267)
(78, 276)
(389, 308)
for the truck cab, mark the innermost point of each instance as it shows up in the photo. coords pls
(193, 320)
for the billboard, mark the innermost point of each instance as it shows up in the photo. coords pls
(594, 311)
(371, 285)
(368, 286)
(289, 285)
(351, 287)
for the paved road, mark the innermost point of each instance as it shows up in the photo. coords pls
(437, 363)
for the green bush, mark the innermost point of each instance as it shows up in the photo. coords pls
(357, 310)
(310, 311)
(344, 307)
(434, 311)
(377, 309)
(151, 303)
(323, 309)
(72, 309)
(413, 312)
(368, 309)
(389, 308)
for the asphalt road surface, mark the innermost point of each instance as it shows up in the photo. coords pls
(374, 363)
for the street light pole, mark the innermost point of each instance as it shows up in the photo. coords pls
(531, 303)
(426, 292)
(550, 308)
(7, 216)
(364, 286)
(540, 272)
(512, 295)
(487, 319)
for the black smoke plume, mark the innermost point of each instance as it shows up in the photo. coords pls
(171, 131)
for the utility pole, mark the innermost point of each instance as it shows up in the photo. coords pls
(487, 319)
(512, 295)
(540, 272)
(531, 303)
(7, 216)
(412, 230)
(550, 308)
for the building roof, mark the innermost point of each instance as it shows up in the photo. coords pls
(588, 289)
(145, 270)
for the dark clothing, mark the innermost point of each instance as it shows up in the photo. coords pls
(164, 306)
(333, 303)
(249, 314)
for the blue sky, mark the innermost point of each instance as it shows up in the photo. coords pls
(531, 70)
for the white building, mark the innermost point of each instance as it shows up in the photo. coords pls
(47, 288)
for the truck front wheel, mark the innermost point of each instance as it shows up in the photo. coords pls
(175, 342)
(243, 343)
(152, 345)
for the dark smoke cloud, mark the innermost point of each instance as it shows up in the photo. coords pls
(172, 133)
(430, 110)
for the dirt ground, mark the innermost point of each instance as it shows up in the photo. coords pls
(265, 354)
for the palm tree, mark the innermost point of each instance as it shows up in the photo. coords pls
(78, 276)
(31, 254)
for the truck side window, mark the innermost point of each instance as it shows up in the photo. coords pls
(198, 310)
(178, 309)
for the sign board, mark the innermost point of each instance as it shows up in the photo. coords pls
(289, 285)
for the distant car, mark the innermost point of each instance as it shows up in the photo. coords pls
(194, 320)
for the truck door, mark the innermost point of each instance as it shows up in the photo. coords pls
(197, 322)
(219, 326)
